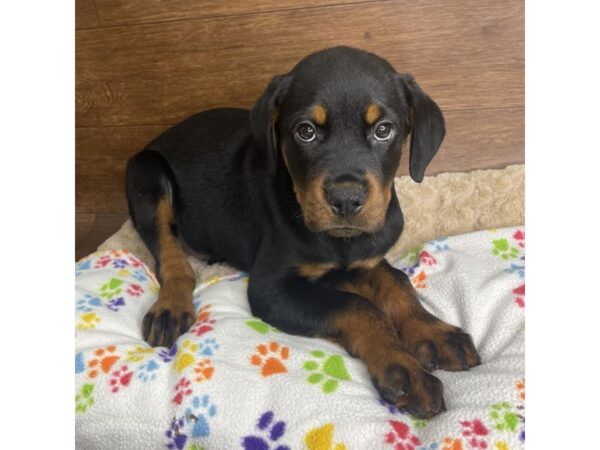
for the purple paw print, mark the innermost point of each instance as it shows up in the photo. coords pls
(114, 304)
(167, 355)
(391, 408)
(271, 432)
(176, 437)
(119, 263)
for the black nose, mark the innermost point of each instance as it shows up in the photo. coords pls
(346, 200)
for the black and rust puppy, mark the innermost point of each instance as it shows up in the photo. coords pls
(299, 193)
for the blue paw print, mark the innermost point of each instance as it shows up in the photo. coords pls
(85, 265)
(79, 363)
(176, 438)
(440, 244)
(199, 414)
(197, 302)
(147, 371)
(432, 446)
(208, 346)
(520, 270)
(88, 303)
(271, 432)
(139, 275)
(115, 303)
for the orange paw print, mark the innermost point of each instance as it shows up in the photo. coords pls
(204, 370)
(269, 358)
(452, 444)
(419, 280)
(104, 359)
(521, 387)
(203, 323)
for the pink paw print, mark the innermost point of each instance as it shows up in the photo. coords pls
(182, 390)
(135, 290)
(519, 236)
(120, 378)
(133, 261)
(401, 437)
(102, 262)
(426, 258)
(475, 432)
(203, 323)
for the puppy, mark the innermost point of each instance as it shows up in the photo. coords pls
(299, 193)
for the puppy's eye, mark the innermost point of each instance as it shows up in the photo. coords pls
(306, 132)
(383, 131)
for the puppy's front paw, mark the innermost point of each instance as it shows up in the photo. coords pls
(171, 315)
(408, 386)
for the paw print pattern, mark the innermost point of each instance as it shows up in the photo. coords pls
(79, 363)
(84, 399)
(327, 370)
(417, 423)
(135, 290)
(139, 353)
(432, 446)
(321, 438)
(270, 432)
(504, 250)
(139, 276)
(88, 321)
(400, 436)
(199, 415)
(260, 327)
(88, 303)
(204, 370)
(521, 388)
(504, 417)
(104, 359)
(186, 355)
(475, 433)
(270, 357)
(441, 244)
(120, 378)
(452, 444)
(116, 303)
(176, 438)
(147, 371)
(120, 263)
(102, 262)
(520, 293)
(203, 323)
(418, 280)
(111, 288)
(167, 355)
(85, 265)
(519, 236)
(427, 259)
(182, 390)
(208, 346)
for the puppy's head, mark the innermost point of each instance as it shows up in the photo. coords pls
(339, 120)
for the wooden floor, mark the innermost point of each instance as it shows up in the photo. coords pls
(143, 65)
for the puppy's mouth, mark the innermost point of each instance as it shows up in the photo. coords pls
(344, 231)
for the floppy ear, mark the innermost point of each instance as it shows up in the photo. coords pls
(427, 127)
(264, 115)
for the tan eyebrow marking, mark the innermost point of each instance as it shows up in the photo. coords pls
(319, 114)
(372, 113)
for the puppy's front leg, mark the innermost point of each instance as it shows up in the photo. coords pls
(298, 306)
(436, 344)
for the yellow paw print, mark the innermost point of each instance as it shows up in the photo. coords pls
(186, 355)
(88, 321)
(139, 353)
(501, 445)
(322, 439)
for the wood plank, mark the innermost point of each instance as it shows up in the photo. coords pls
(85, 14)
(115, 12)
(103, 226)
(467, 54)
(475, 140)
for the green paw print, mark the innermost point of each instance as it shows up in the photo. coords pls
(504, 250)
(504, 417)
(84, 399)
(412, 255)
(419, 423)
(111, 289)
(326, 370)
(260, 326)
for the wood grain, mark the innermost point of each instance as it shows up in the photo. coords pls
(474, 140)
(115, 12)
(85, 14)
(466, 54)
(93, 229)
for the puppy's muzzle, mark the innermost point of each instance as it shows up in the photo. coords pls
(346, 199)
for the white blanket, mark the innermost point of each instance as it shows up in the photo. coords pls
(234, 382)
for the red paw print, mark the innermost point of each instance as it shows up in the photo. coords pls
(102, 262)
(135, 290)
(519, 236)
(121, 378)
(520, 292)
(475, 433)
(133, 261)
(203, 323)
(426, 258)
(182, 390)
(401, 437)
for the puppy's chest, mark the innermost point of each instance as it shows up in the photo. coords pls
(316, 270)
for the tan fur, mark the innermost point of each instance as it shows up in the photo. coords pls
(442, 205)
(367, 263)
(372, 113)
(319, 115)
(315, 270)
